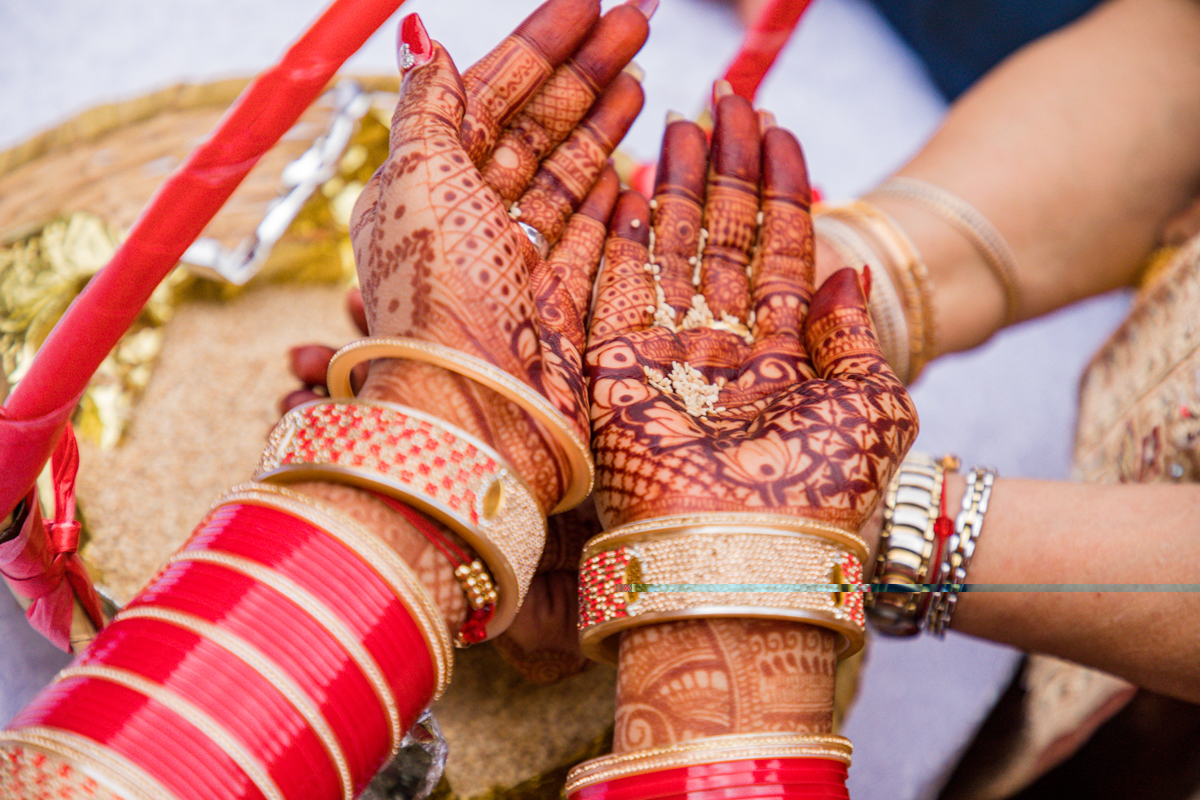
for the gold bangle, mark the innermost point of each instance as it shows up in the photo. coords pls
(80, 763)
(759, 566)
(913, 276)
(384, 561)
(429, 464)
(578, 453)
(973, 225)
(254, 769)
(261, 663)
(709, 750)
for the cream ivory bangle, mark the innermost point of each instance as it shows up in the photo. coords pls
(709, 750)
(578, 452)
(887, 312)
(758, 566)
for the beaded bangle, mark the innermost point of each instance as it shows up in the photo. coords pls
(578, 453)
(424, 462)
(952, 575)
(743, 747)
(909, 545)
(720, 565)
(60, 764)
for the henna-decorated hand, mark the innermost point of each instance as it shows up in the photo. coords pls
(717, 386)
(730, 393)
(441, 259)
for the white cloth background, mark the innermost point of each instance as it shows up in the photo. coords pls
(860, 104)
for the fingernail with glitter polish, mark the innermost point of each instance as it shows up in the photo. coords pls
(647, 7)
(675, 116)
(766, 121)
(635, 71)
(415, 48)
(722, 88)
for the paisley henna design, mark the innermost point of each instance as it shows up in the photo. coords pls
(752, 399)
(683, 681)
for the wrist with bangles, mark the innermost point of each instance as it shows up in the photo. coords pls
(924, 554)
(726, 565)
(902, 302)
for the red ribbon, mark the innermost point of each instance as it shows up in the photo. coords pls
(765, 38)
(44, 553)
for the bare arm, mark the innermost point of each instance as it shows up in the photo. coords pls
(1078, 148)
(1047, 532)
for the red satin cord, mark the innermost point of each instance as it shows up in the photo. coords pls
(244, 702)
(764, 39)
(782, 778)
(42, 563)
(474, 627)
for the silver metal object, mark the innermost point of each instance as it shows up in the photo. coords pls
(416, 770)
(535, 236)
(952, 576)
(405, 57)
(299, 180)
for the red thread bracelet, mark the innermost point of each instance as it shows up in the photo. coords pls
(474, 627)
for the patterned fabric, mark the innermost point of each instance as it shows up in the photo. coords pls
(1138, 402)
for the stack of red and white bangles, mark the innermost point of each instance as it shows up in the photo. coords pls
(280, 654)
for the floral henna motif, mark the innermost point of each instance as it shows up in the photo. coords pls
(759, 396)
(684, 681)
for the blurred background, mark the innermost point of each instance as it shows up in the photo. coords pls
(860, 103)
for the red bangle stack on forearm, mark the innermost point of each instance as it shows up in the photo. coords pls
(280, 654)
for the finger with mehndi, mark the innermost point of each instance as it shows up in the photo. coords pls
(310, 362)
(783, 266)
(678, 206)
(561, 286)
(625, 289)
(553, 112)
(731, 206)
(571, 267)
(504, 80)
(838, 331)
(297, 397)
(356, 310)
(566, 176)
